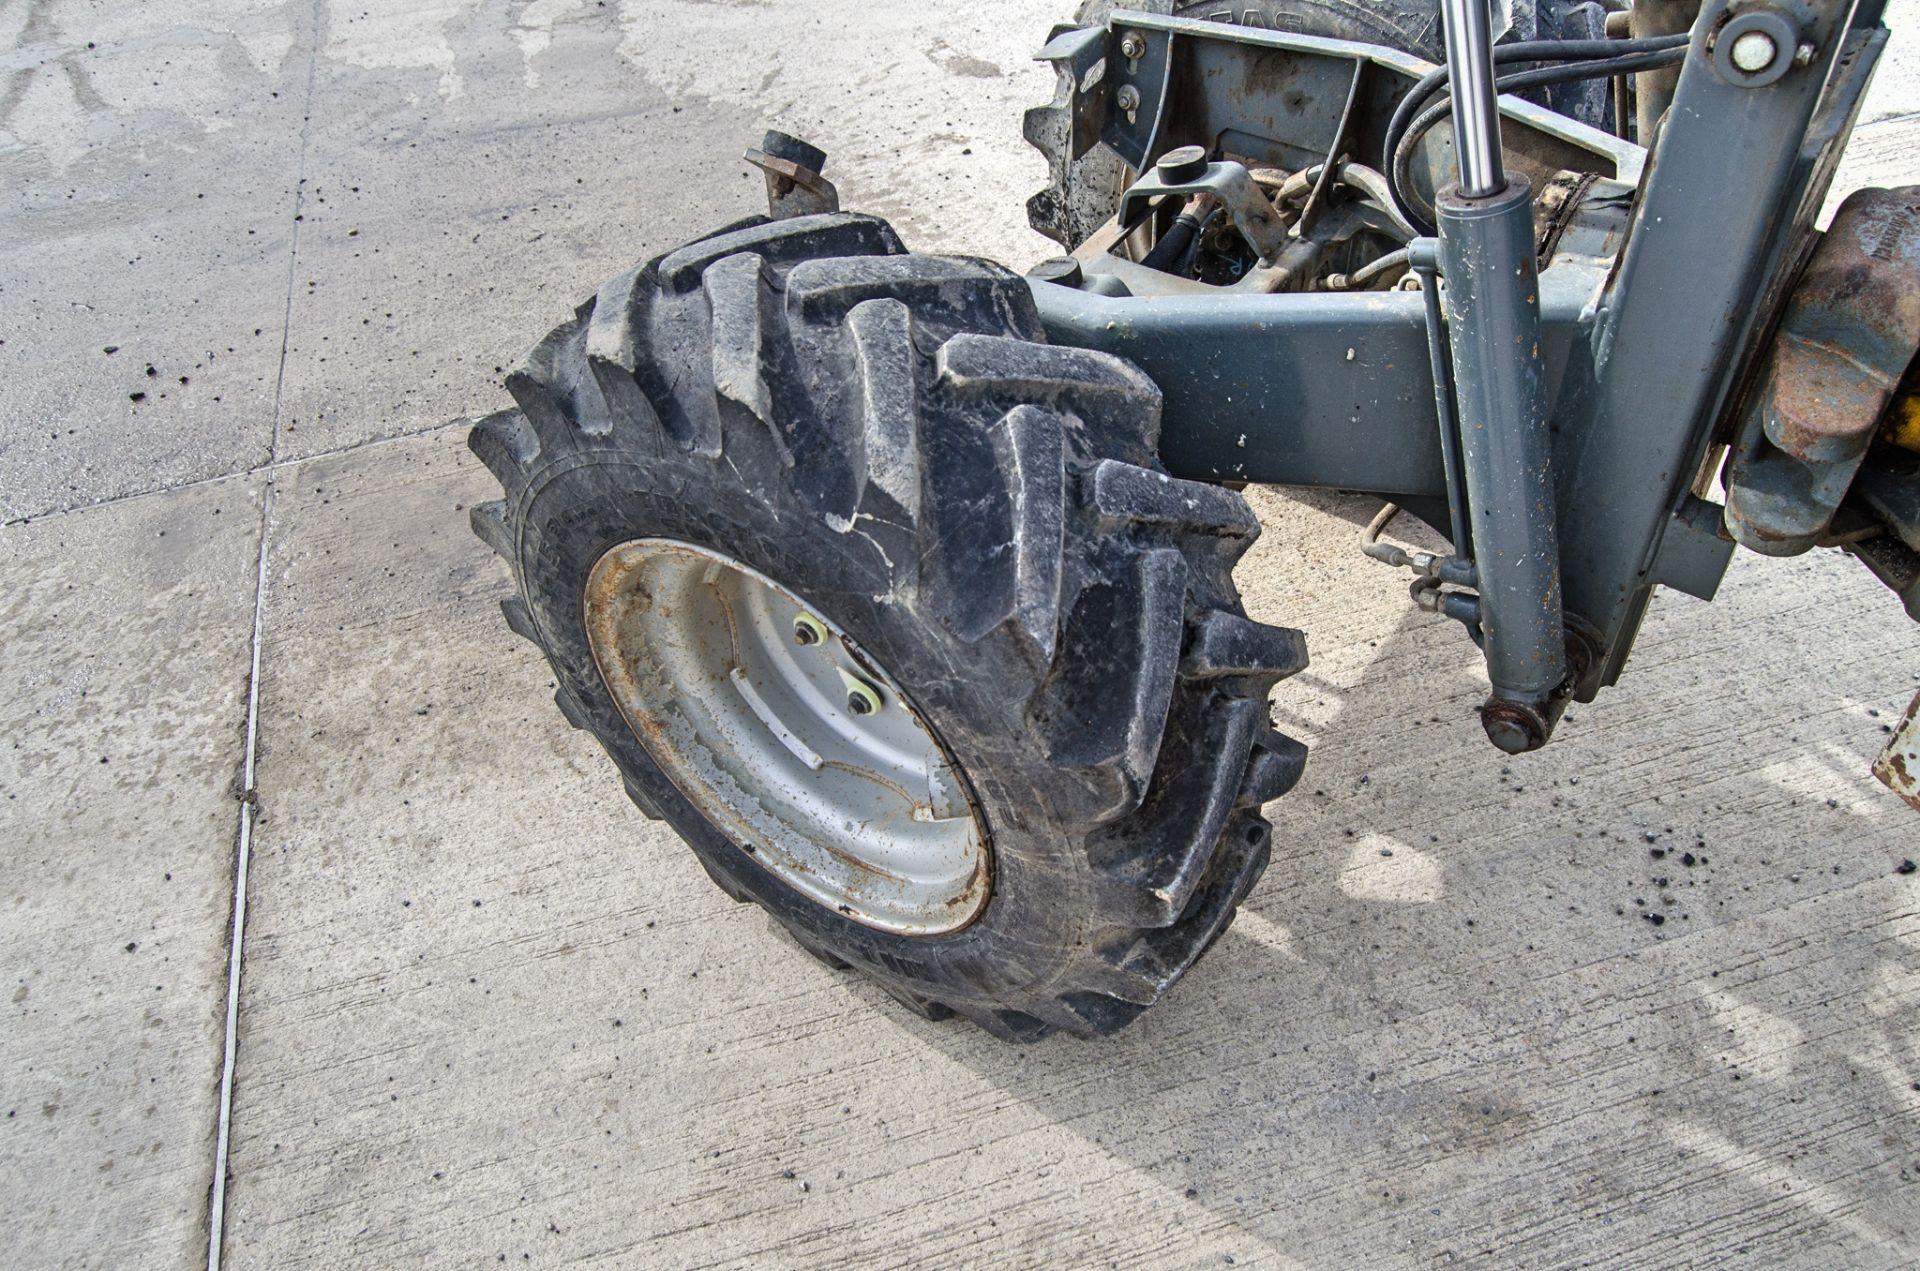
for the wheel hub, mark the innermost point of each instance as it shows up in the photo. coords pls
(783, 733)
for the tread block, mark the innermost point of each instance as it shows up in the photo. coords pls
(736, 290)
(1007, 1025)
(489, 523)
(1049, 373)
(1275, 768)
(1122, 493)
(642, 800)
(1091, 1013)
(1027, 446)
(507, 444)
(1224, 644)
(825, 956)
(610, 333)
(888, 367)
(795, 239)
(736, 893)
(613, 350)
(825, 290)
(1140, 967)
(752, 221)
(519, 618)
(1105, 707)
(920, 1004)
(546, 382)
(1151, 864)
(571, 708)
(1241, 859)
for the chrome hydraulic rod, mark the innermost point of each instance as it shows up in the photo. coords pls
(1468, 31)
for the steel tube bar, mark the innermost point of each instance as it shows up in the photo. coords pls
(1492, 299)
(1468, 29)
(1424, 256)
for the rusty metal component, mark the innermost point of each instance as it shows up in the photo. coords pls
(1514, 727)
(784, 735)
(1899, 764)
(1843, 346)
(794, 184)
(1756, 43)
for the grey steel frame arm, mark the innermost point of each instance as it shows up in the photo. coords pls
(1646, 351)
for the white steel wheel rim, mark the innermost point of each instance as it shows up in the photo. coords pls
(748, 700)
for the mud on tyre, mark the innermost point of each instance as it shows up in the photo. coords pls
(888, 439)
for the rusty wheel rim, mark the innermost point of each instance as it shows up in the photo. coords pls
(787, 736)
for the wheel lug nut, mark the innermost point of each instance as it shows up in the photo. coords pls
(807, 630)
(862, 697)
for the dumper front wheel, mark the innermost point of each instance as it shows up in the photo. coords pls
(888, 608)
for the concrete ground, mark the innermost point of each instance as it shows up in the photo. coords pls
(255, 256)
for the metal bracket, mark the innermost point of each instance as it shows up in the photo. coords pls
(794, 184)
(1229, 182)
(1695, 550)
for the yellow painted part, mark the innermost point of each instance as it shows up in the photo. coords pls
(1903, 423)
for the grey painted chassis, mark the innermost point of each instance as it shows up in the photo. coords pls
(1649, 347)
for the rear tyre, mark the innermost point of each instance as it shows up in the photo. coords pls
(979, 525)
(1082, 193)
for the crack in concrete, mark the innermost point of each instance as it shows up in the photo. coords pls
(249, 789)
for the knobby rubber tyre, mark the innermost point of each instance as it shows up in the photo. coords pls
(1082, 193)
(889, 437)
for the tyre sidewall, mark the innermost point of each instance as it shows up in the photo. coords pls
(581, 505)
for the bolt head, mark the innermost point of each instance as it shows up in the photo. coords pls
(858, 704)
(1511, 728)
(1128, 97)
(1753, 52)
(1509, 735)
(1132, 46)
